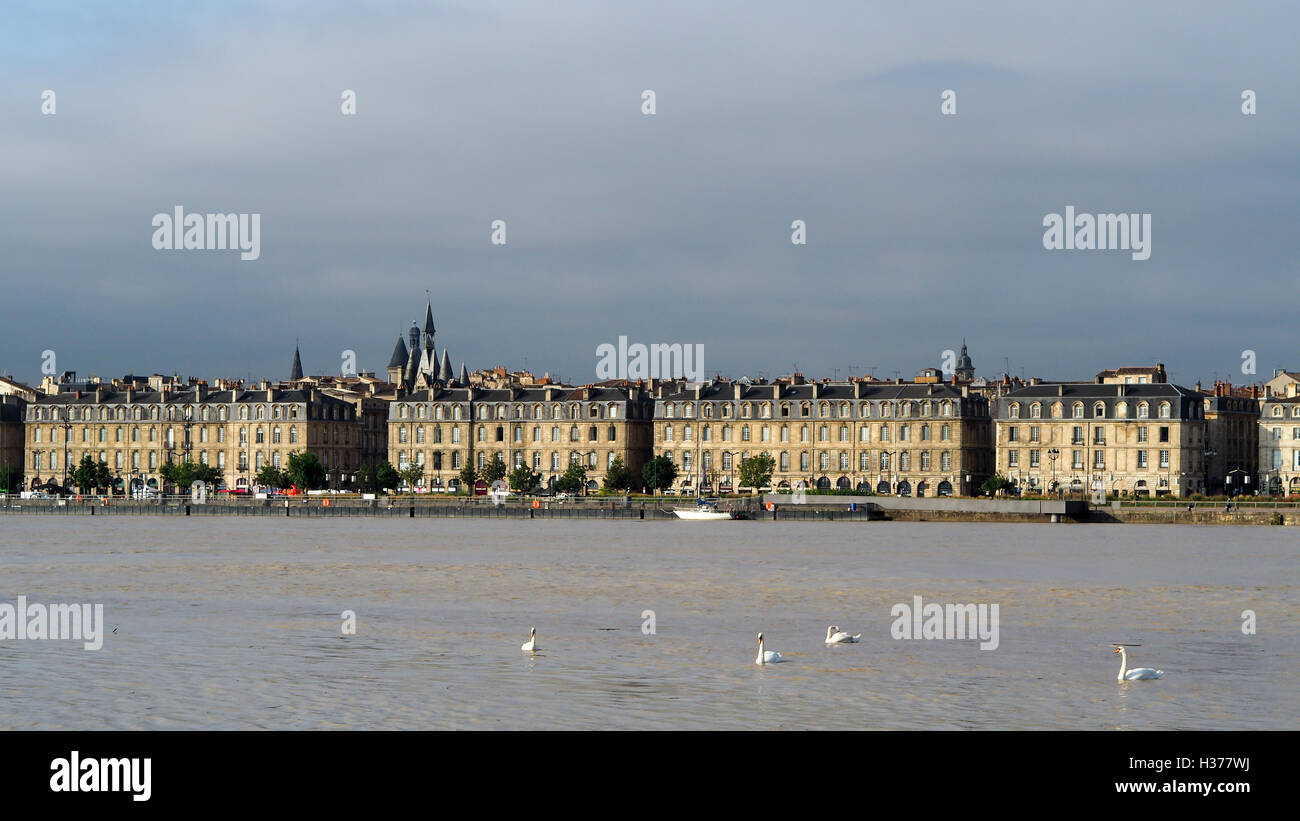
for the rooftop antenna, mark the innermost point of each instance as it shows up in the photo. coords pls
(871, 370)
(835, 372)
(1006, 365)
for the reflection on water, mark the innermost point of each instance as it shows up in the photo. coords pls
(236, 624)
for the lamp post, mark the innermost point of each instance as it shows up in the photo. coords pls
(67, 434)
(1053, 454)
(1209, 453)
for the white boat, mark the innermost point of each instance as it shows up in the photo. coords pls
(703, 511)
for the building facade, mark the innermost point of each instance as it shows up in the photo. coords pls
(236, 430)
(909, 439)
(1232, 428)
(1136, 439)
(444, 428)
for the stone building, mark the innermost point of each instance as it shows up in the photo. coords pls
(1128, 438)
(136, 430)
(12, 410)
(911, 439)
(547, 427)
(1232, 429)
(1279, 444)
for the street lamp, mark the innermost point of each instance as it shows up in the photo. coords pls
(67, 433)
(1053, 454)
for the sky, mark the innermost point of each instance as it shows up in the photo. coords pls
(922, 228)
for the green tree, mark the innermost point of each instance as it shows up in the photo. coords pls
(523, 479)
(659, 473)
(495, 469)
(83, 475)
(182, 475)
(998, 482)
(468, 477)
(103, 476)
(618, 477)
(366, 479)
(574, 478)
(272, 476)
(411, 474)
(306, 471)
(756, 471)
(386, 476)
(11, 478)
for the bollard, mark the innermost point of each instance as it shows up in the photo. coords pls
(187, 510)
(531, 511)
(412, 516)
(92, 510)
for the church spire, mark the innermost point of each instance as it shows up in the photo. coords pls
(296, 372)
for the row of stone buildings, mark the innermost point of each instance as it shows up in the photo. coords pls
(1129, 431)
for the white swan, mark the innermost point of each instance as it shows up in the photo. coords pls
(836, 636)
(530, 646)
(766, 656)
(1137, 673)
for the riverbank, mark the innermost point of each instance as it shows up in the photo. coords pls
(814, 508)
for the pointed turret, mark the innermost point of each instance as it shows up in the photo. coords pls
(444, 367)
(400, 355)
(965, 370)
(464, 376)
(428, 319)
(413, 361)
(397, 362)
(296, 372)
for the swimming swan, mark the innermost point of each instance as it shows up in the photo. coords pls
(1137, 673)
(766, 656)
(530, 646)
(836, 636)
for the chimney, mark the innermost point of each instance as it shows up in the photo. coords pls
(1060, 390)
(736, 388)
(814, 389)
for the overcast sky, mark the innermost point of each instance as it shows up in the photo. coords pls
(922, 228)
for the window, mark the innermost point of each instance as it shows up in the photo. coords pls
(1142, 433)
(1077, 410)
(1033, 433)
(1033, 459)
(1164, 434)
(1142, 459)
(1013, 434)
(945, 461)
(1013, 458)
(1099, 459)
(1014, 410)
(925, 460)
(1077, 438)
(1164, 458)
(1076, 460)
(1099, 435)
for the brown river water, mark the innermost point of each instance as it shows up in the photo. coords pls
(236, 624)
